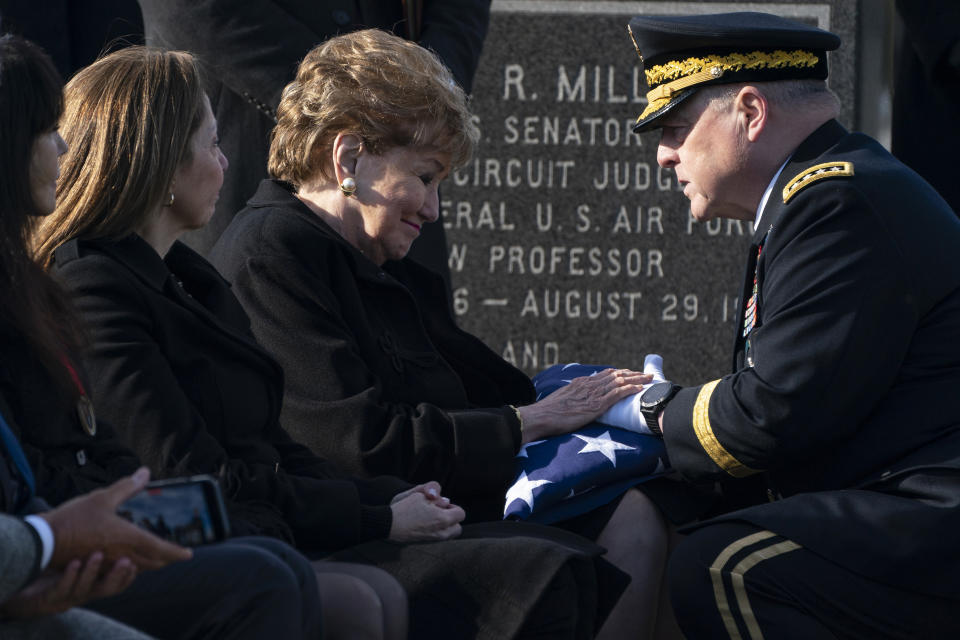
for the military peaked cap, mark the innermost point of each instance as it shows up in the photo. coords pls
(683, 53)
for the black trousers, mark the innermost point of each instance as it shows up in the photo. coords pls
(244, 588)
(737, 581)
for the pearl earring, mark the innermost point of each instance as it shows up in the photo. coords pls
(348, 186)
(169, 202)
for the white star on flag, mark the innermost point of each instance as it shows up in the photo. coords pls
(602, 444)
(522, 489)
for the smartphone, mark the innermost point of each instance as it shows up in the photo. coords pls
(188, 511)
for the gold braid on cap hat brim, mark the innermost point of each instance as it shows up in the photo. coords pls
(694, 71)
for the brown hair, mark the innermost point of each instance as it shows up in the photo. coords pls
(128, 120)
(386, 90)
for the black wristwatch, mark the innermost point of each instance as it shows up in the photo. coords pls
(653, 400)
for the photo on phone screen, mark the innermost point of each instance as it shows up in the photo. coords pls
(188, 511)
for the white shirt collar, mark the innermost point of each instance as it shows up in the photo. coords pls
(766, 195)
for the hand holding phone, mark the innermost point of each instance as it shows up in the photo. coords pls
(188, 511)
(89, 523)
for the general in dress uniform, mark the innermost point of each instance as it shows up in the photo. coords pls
(843, 399)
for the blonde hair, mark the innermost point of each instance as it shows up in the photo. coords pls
(386, 90)
(127, 119)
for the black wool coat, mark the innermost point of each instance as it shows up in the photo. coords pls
(844, 391)
(175, 369)
(379, 378)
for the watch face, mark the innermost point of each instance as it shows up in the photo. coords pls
(655, 393)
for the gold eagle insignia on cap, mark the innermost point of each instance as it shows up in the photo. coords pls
(814, 173)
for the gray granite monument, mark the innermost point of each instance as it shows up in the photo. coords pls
(567, 243)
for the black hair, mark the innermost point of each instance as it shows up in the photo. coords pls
(32, 306)
(31, 102)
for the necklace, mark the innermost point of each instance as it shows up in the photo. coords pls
(85, 413)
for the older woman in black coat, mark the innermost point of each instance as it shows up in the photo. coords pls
(378, 376)
(188, 387)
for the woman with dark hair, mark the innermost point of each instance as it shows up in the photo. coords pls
(43, 387)
(28, 162)
(32, 103)
(191, 391)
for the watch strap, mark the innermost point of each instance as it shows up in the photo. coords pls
(653, 421)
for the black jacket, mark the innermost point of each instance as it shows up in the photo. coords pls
(179, 373)
(844, 393)
(66, 460)
(174, 368)
(379, 377)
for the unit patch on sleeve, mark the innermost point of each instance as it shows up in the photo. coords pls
(814, 173)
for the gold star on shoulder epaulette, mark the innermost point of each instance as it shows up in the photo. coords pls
(814, 173)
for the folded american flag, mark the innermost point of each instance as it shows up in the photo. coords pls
(564, 476)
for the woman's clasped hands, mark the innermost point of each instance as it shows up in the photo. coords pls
(421, 513)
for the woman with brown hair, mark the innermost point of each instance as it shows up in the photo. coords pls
(191, 391)
(379, 378)
(86, 555)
